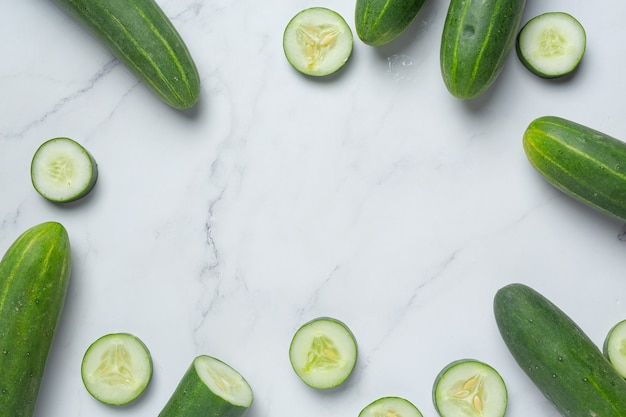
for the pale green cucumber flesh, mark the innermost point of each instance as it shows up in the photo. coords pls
(323, 353)
(469, 388)
(317, 41)
(116, 368)
(209, 388)
(390, 407)
(34, 277)
(552, 44)
(614, 347)
(62, 170)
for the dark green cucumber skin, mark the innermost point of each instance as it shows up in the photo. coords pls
(34, 276)
(561, 360)
(584, 163)
(477, 37)
(378, 22)
(192, 398)
(141, 36)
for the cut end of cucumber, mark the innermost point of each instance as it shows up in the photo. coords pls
(62, 170)
(317, 41)
(469, 388)
(223, 381)
(552, 44)
(614, 347)
(116, 368)
(390, 407)
(323, 353)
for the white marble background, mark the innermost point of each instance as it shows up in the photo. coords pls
(373, 196)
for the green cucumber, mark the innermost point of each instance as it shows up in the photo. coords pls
(209, 388)
(34, 276)
(116, 368)
(142, 37)
(378, 22)
(390, 407)
(558, 357)
(584, 163)
(477, 37)
(469, 388)
(551, 45)
(614, 347)
(62, 170)
(317, 41)
(323, 353)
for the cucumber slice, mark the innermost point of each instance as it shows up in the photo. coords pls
(62, 170)
(317, 41)
(390, 407)
(323, 353)
(552, 44)
(209, 388)
(116, 368)
(469, 388)
(614, 347)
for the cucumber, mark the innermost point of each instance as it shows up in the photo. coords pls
(552, 44)
(477, 37)
(390, 407)
(582, 162)
(143, 38)
(558, 357)
(209, 388)
(62, 170)
(116, 368)
(469, 388)
(317, 41)
(614, 347)
(378, 22)
(34, 276)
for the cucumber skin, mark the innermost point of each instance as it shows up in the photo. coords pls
(471, 64)
(559, 358)
(192, 398)
(584, 163)
(378, 22)
(142, 37)
(34, 276)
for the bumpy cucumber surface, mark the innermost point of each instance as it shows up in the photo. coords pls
(116, 368)
(378, 22)
(478, 36)
(555, 353)
(34, 276)
(141, 36)
(209, 388)
(62, 170)
(323, 353)
(584, 163)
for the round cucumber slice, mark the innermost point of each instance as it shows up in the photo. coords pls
(323, 353)
(390, 407)
(62, 170)
(317, 41)
(469, 388)
(614, 347)
(116, 368)
(552, 44)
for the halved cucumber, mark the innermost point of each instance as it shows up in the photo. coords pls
(469, 388)
(317, 41)
(209, 388)
(614, 347)
(390, 407)
(116, 368)
(323, 353)
(552, 44)
(62, 170)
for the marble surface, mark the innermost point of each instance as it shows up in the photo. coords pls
(372, 196)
